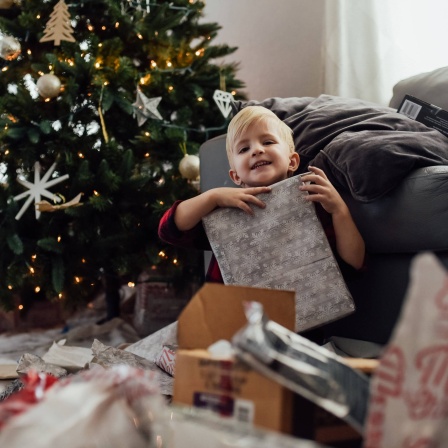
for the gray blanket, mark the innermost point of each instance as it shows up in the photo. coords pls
(362, 147)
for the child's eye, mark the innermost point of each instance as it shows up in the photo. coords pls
(243, 149)
(269, 142)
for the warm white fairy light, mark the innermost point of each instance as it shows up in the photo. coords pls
(20, 307)
(139, 36)
(37, 289)
(200, 98)
(131, 284)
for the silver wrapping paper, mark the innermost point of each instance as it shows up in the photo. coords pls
(282, 246)
(303, 367)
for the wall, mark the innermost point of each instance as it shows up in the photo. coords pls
(279, 43)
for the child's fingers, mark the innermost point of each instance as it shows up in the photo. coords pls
(317, 171)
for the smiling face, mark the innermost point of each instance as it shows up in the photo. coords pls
(260, 156)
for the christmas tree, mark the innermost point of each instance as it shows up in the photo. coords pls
(103, 107)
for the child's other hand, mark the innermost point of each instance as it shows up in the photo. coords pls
(322, 190)
(240, 197)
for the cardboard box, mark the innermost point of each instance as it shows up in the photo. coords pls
(227, 386)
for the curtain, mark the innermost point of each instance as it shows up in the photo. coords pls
(369, 45)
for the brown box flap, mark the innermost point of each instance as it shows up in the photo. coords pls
(216, 312)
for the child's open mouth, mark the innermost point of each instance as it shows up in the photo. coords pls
(257, 165)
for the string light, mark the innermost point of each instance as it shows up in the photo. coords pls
(37, 289)
(20, 307)
(131, 284)
(59, 239)
(200, 98)
(9, 287)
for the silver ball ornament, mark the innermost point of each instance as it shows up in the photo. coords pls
(48, 86)
(10, 48)
(189, 167)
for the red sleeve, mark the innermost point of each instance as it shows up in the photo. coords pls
(193, 238)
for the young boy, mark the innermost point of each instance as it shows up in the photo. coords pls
(261, 152)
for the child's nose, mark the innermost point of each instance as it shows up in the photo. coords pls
(257, 149)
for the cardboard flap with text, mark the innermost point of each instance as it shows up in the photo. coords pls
(216, 312)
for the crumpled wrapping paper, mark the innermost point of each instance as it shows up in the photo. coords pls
(116, 407)
(409, 390)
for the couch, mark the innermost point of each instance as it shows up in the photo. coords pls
(408, 217)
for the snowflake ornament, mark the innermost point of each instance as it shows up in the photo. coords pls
(38, 189)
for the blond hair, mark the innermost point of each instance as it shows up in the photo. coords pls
(248, 116)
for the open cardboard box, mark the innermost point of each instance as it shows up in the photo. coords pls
(227, 386)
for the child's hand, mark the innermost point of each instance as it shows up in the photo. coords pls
(240, 197)
(322, 190)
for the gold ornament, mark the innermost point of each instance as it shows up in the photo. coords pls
(58, 27)
(48, 86)
(189, 167)
(45, 206)
(10, 48)
(6, 4)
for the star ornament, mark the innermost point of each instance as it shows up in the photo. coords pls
(38, 189)
(145, 108)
